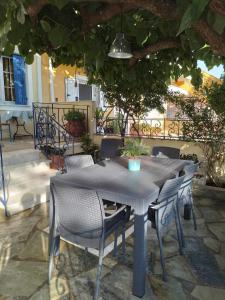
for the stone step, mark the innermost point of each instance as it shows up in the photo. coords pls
(27, 182)
(20, 156)
(77, 149)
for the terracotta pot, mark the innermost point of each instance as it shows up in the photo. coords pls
(57, 162)
(75, 128)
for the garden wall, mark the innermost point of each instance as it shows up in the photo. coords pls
(184, 146)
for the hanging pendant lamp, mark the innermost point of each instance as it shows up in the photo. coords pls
(120, 47)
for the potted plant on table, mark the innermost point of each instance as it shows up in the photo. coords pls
(133, 150)
(75, 123)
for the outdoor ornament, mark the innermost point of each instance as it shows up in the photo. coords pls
(120, 47)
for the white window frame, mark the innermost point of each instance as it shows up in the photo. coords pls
(81, 79)
(29, 85)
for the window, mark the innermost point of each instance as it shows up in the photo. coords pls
(79, 89)
(85, 92)
(8, 75)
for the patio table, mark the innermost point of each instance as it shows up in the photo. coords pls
(114, 182)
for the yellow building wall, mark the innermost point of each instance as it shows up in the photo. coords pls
(60, 74)
(185, 83)
(45, 78)
(34, 76)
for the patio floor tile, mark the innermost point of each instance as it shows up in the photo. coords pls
(197, 275)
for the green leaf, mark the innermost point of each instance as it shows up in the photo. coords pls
(192, 13)
(186, 20)
(99, 62)
(59, 3)
(198, 7)
(9, 49)
(29, 59)
(5, 28)
(58, 36)
(219, 24)
(45, 25)
(21, 14)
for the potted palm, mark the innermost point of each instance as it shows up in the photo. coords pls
(75, 123)
(133, 150)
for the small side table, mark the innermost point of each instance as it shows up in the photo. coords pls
(19, 125)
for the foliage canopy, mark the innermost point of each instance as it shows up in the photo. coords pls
(167, 37)
(206, 127)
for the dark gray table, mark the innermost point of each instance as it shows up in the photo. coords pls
(113, 181)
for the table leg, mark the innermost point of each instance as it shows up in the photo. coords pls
(17, 128)
(140, 246)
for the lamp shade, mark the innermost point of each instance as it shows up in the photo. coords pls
(120, 47)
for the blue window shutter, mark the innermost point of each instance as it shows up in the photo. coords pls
(19, 79)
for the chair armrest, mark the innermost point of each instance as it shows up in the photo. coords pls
(156, 206)
(96, 155)
(116, 213)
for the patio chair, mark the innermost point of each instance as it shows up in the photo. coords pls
(110, 148)
(163, 212)
(73, 162)
(185, 199)
(77, 215)
(170, 152)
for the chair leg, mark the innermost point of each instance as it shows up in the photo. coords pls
(193, 216)
(53, 251)
(99, 271)
(178, 228)
(161, 255)
(115, 251)
(10, 134)
(124, 241)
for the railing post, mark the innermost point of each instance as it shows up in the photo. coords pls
(34, 124)
(4, 200)
(164, 128)
(87, 112)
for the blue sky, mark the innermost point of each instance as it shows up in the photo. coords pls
(215, 71)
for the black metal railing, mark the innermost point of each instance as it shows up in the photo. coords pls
(163, 128)
(3, 197)
(50, 125)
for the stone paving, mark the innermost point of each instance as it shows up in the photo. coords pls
(198, 274)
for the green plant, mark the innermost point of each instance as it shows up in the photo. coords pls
(192, 157)
(74, 115)
(168, 36)
(51, 150)
(99, 114)
(87, 145)
(133, 149)
(207, 128)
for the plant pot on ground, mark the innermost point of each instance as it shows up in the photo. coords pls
(57, 159)
(75, 125)
(133, 150)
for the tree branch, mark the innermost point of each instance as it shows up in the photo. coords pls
(161, 45)
(216, 41)
(165, 9)
(218, 6)
(103, 15)
(34, 9)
